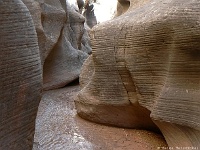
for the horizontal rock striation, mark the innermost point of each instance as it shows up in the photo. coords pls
(20, 76)
(37, 37)
(146, 70)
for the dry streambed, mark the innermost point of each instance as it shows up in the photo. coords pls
(59, 128)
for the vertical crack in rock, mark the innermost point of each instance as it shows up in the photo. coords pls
(153, 46)
(122, 70)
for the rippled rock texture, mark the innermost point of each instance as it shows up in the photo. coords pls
(144, 71)
(63, 41)
(20, 76)
(37, 37)
(59, 127)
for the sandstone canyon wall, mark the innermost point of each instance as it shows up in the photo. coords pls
(144, 70)
(37, 38)
(20, 76)
(63, 40)
(143, 73)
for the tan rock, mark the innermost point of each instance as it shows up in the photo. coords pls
(147, 67)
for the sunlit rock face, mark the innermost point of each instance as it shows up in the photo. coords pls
(144, 71)
(63, 41)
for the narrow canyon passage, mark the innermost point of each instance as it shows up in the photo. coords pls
(138, 66)
(59, 128)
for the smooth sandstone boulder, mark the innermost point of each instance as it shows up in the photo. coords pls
(146, 70)
(49, 18)
(63, 41)
(64, 62)
(20, 76)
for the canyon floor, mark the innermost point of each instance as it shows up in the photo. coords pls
(58, 127)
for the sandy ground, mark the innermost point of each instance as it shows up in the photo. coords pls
(59, 128)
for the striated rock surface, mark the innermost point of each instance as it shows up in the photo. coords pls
(146, 70)
(37, 37)
(20, 76)
(63, 40)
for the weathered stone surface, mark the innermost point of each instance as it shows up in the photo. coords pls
(59, 127)
(62, 65)
(147, 65)
(122, 7)
(90, 17)
(87, 71)
(80, 4)
(63, 40)
(47, 38)
(49, 18)
(20, 76)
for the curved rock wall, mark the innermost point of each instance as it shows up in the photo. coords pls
(37, 37)
(63, 40)
(20, 76)
(146, 70)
